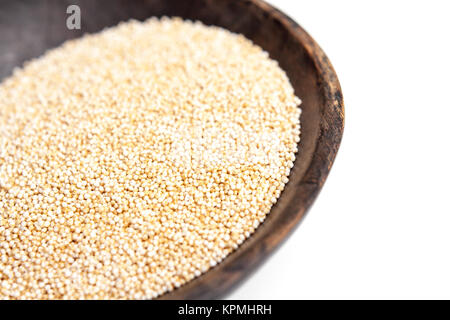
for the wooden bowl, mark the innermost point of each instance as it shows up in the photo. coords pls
(28, 28)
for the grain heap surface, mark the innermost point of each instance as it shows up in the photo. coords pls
(135, 159)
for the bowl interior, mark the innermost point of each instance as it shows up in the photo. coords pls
(29, 28)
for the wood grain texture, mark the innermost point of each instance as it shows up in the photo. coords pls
(28, 28)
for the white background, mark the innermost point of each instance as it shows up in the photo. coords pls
(381, 226)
